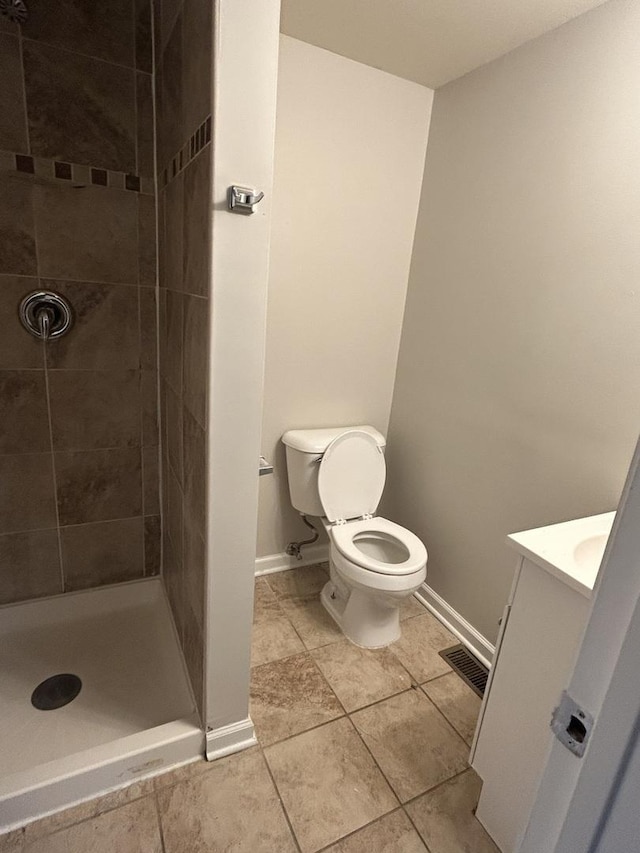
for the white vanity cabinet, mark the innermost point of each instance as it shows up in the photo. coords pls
(539, 636)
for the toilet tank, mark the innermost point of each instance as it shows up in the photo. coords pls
(304, 451)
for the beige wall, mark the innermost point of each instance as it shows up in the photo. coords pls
(350, 147)
(516, 400)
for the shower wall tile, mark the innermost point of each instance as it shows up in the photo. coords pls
(169, 10)
(27, 500)
(152, 552)
(144, 40)
(98, 485)
(173, 423)
(149, 401)
(171, 103)
(105, 333)
(147, 263)
(87, 233)
(25, 425)
(197, 25)
(80, 110)
(195, 462)
(195, 358)
(13, 119)
(103, 553)
(95, 409)
(29, 565)
(144, 124)
(174, 236)
(192, 646)
(150, 465)
(194, 563)
(197, 225)
(103, 30)
(148, 329)
(18, 349)
(171, 365)
(17, 233)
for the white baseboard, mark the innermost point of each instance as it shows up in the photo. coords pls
(229, 739)
(457, 624)
(282, 562)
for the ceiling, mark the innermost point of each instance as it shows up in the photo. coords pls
(428, 41)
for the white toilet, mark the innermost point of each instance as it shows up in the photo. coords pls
(338, 474)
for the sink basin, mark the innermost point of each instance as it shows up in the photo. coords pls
(571, 550)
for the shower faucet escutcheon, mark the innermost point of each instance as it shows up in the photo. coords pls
(46, 315)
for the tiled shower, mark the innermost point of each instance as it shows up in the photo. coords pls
(105, 173)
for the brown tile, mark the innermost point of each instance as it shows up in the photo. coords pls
(161, 247)
(105, 334)
(144, 41)
(174, 516)
(172, 577)
(147, 248)
(413, 744)
(17, 233)
(290, 696)
(18, 349)
(170, 10)
(171, 344)
(169, 88)
(149, 397)
(102, 553)
(195, 468)
(197, 223)
(263, 597)
(417, 649)
(25, 422)
(29, 565)
(358, 676)
(11, 842)
(105, 32)
(144, 124)
(152, 545)
(98, 485)
(445, 819)
(195, 368)
(197, 50)
(273, 637)
(92, 409)
(27, 497)
(174, 233)
(87, 233)
(237, 807)
(151, 463)
(312, 622)
(13, 120)
(393, 833)
(194, 568)
(193, 647)
(84, 811)
(174, 427)
(329, 784)
(299, 583)
(132, 828)
(80, 110)
(458, 703)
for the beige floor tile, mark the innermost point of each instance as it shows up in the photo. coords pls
(130, 829)
(234, 808)
(411, 607)
(263, 597)
(273, 636)
(445, 818)
(312, 622)
(360, 677)
(11, 841)
(391, 834)
(329, 784)
(84, 811)
(412, 742)
(299, 583)
(290, 696)
(417, 649)
(183, 773)
(458, 703)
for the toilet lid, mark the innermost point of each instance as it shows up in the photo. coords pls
(351, 476)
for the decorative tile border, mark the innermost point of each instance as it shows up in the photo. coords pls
(58, 170)
(192, 147)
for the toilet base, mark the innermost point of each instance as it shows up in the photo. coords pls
(368, 620)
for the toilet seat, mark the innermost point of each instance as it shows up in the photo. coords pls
(377, 535)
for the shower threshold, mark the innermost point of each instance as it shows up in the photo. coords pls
(122, 710)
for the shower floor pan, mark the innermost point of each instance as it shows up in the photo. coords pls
(134, 715)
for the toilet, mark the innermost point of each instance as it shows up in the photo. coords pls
(338, 474)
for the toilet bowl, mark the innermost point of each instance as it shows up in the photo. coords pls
(374, 563)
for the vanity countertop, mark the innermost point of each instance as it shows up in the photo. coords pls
(571, 551)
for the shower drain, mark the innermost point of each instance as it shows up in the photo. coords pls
(56, 692)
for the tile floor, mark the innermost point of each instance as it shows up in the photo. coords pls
(360, 752)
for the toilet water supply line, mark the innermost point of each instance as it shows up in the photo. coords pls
(294, 549)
